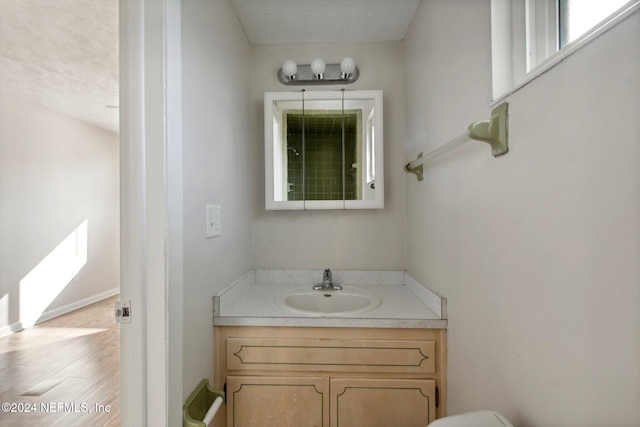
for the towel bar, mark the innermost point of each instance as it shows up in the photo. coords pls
(494, 131)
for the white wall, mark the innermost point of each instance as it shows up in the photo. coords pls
(537, 252)
(55, 173)
(355, 239)
(218, 150)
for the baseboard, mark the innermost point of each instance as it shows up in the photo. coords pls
(48, 315)
(10, 329)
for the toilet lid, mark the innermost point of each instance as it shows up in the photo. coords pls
(473, 419)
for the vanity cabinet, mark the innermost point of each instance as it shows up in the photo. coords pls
(330, 377)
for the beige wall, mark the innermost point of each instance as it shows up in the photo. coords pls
(356, 239)
(537, 252)
(217, 151)
(55, 173)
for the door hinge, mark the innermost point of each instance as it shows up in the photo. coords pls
(437, 397)
(123, 311)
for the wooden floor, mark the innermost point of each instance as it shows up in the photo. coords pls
(63, 372)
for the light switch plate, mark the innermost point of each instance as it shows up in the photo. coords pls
(214, 221)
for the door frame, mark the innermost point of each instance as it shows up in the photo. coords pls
(151, 212)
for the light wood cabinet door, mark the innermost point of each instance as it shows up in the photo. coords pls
(277, 401)
(382, 402)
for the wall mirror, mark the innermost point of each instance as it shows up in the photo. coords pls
(323, 150)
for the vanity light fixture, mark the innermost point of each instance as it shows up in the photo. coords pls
(318, 72)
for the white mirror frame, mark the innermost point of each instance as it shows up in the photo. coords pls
(270, 146)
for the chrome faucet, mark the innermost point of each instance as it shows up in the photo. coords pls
(327, 283)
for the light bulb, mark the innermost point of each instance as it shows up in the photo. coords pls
(289, 68)
(317, 67)
(347, 66)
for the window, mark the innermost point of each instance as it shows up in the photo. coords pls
(531, 36)
(576, 17)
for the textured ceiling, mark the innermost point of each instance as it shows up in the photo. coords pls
(62, 54)
(322, 21)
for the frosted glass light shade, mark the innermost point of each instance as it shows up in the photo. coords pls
(348, 66)
(318, 66)
(289, 68)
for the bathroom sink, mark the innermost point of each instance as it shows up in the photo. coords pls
(346, 301)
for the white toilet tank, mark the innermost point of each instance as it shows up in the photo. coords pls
(473, 419)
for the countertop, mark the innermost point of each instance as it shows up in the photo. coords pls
(406, 303)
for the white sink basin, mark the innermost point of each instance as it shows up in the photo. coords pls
(347, 301)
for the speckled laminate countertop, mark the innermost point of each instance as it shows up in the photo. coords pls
(406, 303)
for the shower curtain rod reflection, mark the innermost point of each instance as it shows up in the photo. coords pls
(493, 131)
